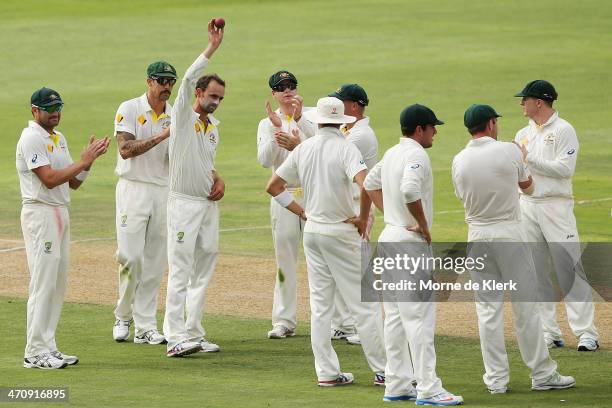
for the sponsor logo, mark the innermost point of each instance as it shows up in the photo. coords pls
(142, 120)
(415, 166)
(569, 236)
(179, 237)
(34, 158)
(571, 151)
(50, 148)
(361, 162)
(123, 220)
(119, 118)
(48, 245)
(334, 111)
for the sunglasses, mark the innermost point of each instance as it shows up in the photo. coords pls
(50, 109)
(282, 87)
(164, 80)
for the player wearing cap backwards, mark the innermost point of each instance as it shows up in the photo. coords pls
(193, 214)
(486, 174)
(277, 136)
(359, 133)
(142, 126)
(46, 172)
(550, 149)
(326, 166)
(401, 186)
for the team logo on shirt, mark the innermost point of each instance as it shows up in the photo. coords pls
(123, 220)
(571, 151)
(142, 120)
(334, 111)
(34, 158)
(62, 145)
(48, 245)
(119, 118)
(549, 138)
(180, 236)
(415, 166)
(213, 138)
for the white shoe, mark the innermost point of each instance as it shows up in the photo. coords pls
(443, 399)
(340, 334)
(150, 337)
(70, 360)
(554, 382)
(501, 390)
(354, 339)
(409, 396)
(588, 345)
(554, 343)
(121, 330)
(183, 349)
(208, 347)
(280, 332)
(343, 379)
(44, 361)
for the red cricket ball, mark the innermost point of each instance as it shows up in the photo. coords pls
(219, 22)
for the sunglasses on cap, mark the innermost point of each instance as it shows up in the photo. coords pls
(164, 80)
(50, 109)
(282, 87)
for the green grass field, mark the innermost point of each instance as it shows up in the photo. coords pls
(445, 54)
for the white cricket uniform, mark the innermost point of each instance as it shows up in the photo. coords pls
(486, 174)
(548, 217)
(141, 199)
(326, 165)
(404, 174)
(286, 226)
(362, 136)
(45, 223)
(193, 220)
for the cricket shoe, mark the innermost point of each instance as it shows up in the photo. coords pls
(338, 334)
(121, 329)
(208, 347)
(150, 337)
(70, 360)
(354, 339)
(588, 345)
(343, 379)
(554, 382)
(45, 361)
(554, 343)
(379, 379)
(280, 332)
(443, 399)
(409, 396)
(501, 390)
(184, 349)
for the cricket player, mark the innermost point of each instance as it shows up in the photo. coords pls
(326, 166)
(550, 149)
(401, 186)
(486, 174)
(193, 214)
(142, 127)
(355, 100)
(46, 173)
(277, 136)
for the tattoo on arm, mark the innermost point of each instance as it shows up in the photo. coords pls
(130, 147)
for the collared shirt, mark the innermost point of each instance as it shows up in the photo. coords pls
(37, 148)
(553, 151)
(269, 154)
(404, 175)
(486, 174)
(193, 144)
(325, 164)
(362, 136)
(138, 118)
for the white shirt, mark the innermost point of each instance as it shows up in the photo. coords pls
(362, 136)
(486, 174)
(193, 144)
(37, 148)
(138, 118)
(325, 165)
(269, 154)
(404, 175)
(553, 151)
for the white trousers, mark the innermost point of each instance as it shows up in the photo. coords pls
(554, 222)
(409, 336)
(341, 318)
(141, 250)
(505, 262)
(335, 262)
(193, 242)
(286, 233)
(46, 233)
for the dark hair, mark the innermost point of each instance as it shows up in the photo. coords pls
(409, 131)
(205, 80)
(478, 128)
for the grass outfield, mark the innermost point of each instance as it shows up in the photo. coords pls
(252, 371)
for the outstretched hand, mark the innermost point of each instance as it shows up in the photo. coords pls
(273, 116)
(215, 37)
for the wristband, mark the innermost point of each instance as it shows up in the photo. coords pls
(82, 176)
(284, 199)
